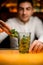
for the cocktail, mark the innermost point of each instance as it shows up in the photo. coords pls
(24, 42)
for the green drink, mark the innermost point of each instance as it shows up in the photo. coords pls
(24, 42)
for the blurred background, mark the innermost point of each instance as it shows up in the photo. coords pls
(8, 9)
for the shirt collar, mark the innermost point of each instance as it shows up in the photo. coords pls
(21, 23)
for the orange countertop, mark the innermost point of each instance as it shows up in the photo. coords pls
(13, 57)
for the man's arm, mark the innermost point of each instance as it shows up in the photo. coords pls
(3, 35)
(4, 30)
(37, 45)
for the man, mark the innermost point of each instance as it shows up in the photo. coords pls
(26, 23)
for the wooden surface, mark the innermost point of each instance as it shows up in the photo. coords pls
(13, 57)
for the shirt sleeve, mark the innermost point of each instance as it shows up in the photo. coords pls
(3, 36)
(39, 30)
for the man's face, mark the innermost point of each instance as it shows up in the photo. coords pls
(25, 11)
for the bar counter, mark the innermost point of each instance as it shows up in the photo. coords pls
(13, 57)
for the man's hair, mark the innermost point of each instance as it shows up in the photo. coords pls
(21, 1)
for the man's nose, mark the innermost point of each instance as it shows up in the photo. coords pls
(24, 12)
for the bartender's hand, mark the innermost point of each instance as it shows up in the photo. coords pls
(1, 30)
(36, 47)
(4, 27)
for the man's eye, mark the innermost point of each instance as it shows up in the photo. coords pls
(28, 8)
(20, 8)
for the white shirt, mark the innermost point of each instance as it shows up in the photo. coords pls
(34, 26)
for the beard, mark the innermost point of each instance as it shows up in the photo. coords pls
(24, 19)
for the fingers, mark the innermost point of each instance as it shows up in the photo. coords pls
(1, 30)
(4, 24)
(40, 48)
(4, 29)
(36, 47)
(32, 46)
